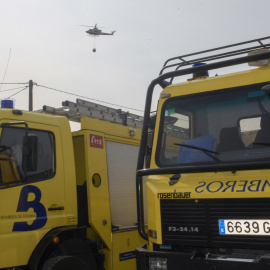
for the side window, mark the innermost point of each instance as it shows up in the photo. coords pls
(11, 155)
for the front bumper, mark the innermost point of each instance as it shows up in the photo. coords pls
(187, 261)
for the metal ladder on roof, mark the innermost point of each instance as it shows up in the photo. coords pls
(74, 111)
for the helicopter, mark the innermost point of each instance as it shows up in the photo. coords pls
(97, 32)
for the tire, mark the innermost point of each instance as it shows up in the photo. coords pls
(66, 263)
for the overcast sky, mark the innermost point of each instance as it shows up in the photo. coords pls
(48, 46)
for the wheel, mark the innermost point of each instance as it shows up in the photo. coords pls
(66, 263)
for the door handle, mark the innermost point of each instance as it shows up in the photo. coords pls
(56, 208)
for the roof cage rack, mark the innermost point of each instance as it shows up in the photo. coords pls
(235, 49)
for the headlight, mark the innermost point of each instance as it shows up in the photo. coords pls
(157, 263)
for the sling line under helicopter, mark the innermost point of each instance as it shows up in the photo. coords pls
(94, 47)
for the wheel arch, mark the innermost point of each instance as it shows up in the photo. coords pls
(71, 240)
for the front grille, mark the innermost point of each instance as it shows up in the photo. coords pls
(196, 222)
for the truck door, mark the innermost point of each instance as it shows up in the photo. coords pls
(32, 198)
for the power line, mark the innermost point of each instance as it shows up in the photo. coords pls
(61, 91)
(14, 83)
(87, 97)
(17, 92)
(11, 89)
(6, 69)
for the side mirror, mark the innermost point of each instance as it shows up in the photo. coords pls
(150, 137)
(30, 153)
(266, 87)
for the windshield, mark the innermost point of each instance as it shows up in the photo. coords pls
(217, 127)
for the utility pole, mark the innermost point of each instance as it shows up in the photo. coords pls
(30, 95)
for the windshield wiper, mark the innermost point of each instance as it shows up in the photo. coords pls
(204, 150)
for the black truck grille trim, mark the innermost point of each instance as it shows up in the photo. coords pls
(204, 214)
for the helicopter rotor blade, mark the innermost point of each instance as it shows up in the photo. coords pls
(87, 25)
(95, 26)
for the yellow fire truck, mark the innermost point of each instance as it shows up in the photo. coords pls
(208, 186)
(68, 199)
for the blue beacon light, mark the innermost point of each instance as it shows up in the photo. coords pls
(7, 103)
(202, 73)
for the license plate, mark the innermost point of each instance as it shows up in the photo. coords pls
(244, 226)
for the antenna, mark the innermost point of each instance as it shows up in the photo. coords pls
(6, 69)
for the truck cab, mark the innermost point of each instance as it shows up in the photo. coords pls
(208, 185)
(38, 192)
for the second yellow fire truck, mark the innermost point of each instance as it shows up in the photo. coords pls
(208, 186)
